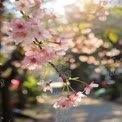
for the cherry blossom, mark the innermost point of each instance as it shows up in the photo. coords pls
(18, 25)
(89, 45)
(42, 33)
(89, 87)
(46, 85)
(19, 37)
(31, 49)
(65, 102)
(60, 47)
(37, 1)
(36, 56)
(38, 13)
(47, 53)
(20, 31)
(77, 96)
(31, 62)
(60, 52)
(62, 44)
(41, 47)
(22, 5)
(33, 25)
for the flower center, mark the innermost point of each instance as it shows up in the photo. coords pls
(22, 5)
(20, 26)
(33, 60)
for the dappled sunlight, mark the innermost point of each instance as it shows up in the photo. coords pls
(82, 116)
(93, 111)
(90, 101)
(112, 120)
(117, 112)
(89, 107)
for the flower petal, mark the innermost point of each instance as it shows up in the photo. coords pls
(94, 85)
(87, 90)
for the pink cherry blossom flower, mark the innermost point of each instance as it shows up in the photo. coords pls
(31, 62)
(47, 53)
(32, 31)
(38, 13)
(31, 49)
(18, 25)
(77, 96)
(62, 44)
(61, 47)
(89, 87)
(60, 52)
(33, 21)
(36, 56)
(65, 102)
(33, 26)
(22, 5)
(46, 85)
(37, 1)
(60, 102)
(19, 37)
(42, 33)
(20, 31)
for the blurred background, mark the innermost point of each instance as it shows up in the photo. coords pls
(92, 29)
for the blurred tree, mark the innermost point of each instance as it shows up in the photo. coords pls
(7, 72)
(95, 29)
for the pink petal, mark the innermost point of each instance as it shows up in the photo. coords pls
(87, 90)
(94, 85)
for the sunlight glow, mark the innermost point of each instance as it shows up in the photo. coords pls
(58, 6)
(12, 1)
(64, 2)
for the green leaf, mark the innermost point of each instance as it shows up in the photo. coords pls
(30, 83)
(113, 37)
(32, 80)
(82, 25)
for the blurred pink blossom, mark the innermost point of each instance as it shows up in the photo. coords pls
(31, 62)
(77, 96)
(89, 87)
(15, 83)
(22, 5)
(46, 85)
(65, 102)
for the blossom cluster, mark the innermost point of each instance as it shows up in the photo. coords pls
(29, 31)
(69, 100)
(89, 45)
(40, 47)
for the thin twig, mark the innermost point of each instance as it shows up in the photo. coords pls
(60, 75)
